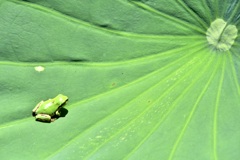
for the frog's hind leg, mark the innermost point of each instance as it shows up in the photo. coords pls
(43, 118)
(35, 108)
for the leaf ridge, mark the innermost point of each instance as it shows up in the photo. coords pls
(170, 17)
(234, 73)
(215, 119)
(191, 12)
(88, 63)
(235, 10)
(192, 112)
(206, 6)
(216, 4)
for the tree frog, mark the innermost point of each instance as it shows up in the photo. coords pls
(45, 111)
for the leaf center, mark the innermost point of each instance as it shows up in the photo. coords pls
(220, 35)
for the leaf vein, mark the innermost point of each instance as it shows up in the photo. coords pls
(192, 112)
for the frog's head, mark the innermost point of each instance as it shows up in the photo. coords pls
(60, 99)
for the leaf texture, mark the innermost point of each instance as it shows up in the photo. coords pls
(142, 81)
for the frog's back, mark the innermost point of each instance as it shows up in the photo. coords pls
(47, 107)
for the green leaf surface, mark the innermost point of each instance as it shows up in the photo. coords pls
(142, 80)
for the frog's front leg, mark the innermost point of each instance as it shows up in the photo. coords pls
(43, 118)
(35, 108)
(58, 113)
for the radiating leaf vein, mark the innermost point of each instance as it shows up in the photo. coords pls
(216, 112)
(170, 17)
(189, 118)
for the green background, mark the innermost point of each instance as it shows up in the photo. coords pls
(142, 81)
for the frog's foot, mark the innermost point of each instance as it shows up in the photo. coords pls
(53, 119)
(43, 118)
(58, 113)
(56, 116)
(36, 107)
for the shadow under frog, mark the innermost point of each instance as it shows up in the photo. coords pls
(51, 109)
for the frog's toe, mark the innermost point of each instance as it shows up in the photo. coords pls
(53, 119)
